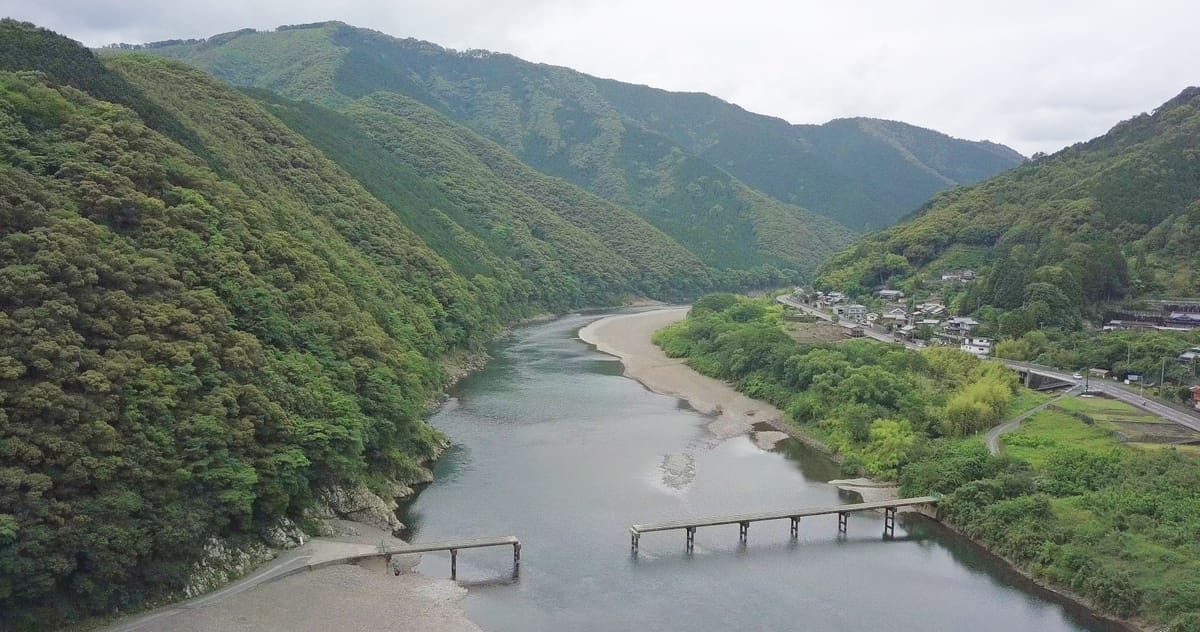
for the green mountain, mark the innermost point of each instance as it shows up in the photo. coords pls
(725, 183)
(866, 173)
(1115, 217)
(207, 320)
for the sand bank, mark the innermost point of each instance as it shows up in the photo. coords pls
(628, 337)
(343, 597)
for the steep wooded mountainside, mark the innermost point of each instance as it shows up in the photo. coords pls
(206, 322)
(1117, 216)
(708, 173)
(864, 173)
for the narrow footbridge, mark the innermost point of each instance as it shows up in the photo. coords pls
(690, 525)
(453, 546)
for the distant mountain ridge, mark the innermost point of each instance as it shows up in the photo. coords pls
(614, 138)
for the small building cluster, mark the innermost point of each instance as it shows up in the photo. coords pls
(1164, 315)
(958, 276)
(929, 320)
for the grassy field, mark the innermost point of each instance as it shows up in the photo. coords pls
(1025, 400)
(1102, 409)
(1092, 423)
(1037, 437)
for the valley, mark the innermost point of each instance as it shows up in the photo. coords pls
(275, 301)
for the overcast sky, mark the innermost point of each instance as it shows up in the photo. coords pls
(1034, 74)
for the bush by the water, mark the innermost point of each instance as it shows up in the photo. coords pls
(874, 403)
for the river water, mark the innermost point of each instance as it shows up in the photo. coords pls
(553, 445)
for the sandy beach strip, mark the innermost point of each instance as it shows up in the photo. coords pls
(629, 337)
(340, 597)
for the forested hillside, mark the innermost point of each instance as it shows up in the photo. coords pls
(1115, 217)
(570, 132)
(864, 173)
(725, 183)
(206, 322)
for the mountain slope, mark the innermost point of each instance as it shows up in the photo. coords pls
(866, 173)
(553, 119)
(206, 323)
(1113, 217)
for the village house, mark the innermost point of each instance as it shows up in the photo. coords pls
(891, 295)
(830, 298)
(1103, 373)
(1184, 319)
(977, 346)
(960, 326)
(931, 309)
(959, 276)
(1191, 357)
(1195, 396)
(854, 312)
(895, 315)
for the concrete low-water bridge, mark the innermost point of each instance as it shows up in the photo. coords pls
(925, 504)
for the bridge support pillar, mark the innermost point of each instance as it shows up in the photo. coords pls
(516, 555)
(889, 522)
(453, 563)
(743, 531)
(842, 519)
(633, 542)
(795, 527)
(691, 539)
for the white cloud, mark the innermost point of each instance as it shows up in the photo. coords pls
(1032, 74)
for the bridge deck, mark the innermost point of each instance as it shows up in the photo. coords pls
(778, 515)
(446, 545)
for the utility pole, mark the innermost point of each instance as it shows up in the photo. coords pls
(1162, 376)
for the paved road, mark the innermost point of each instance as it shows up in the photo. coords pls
(992, 438)
(1116, 391)
(1176, 414)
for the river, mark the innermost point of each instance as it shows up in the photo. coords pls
(553, 445)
